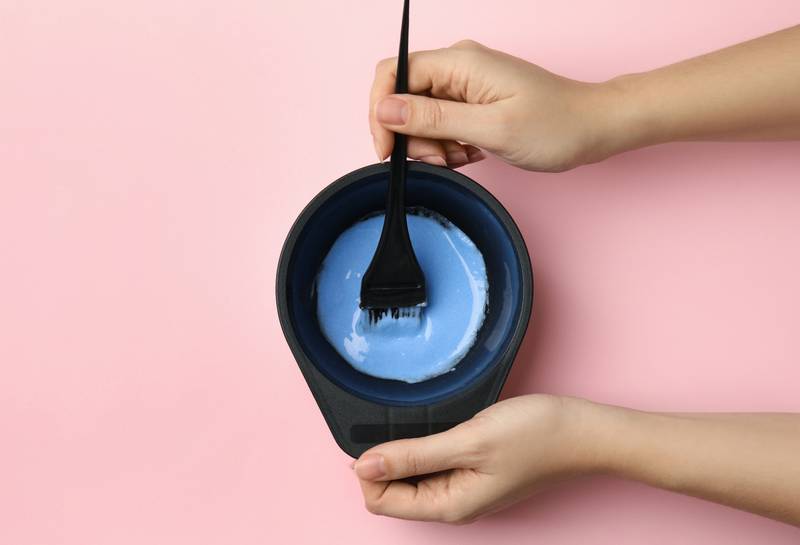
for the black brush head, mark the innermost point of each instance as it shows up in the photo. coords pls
(394, 279)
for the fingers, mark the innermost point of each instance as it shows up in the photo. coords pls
(455, 153)
(477, 124)
(458, 155)
(423, 69)
(448, 461)
(455, 448)
(397, 499)
(454, 497)
(428, 150)
(443, 73)
(384, 84)
(474, 154)
(443, 152)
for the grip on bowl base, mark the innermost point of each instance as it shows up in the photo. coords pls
(358, 424)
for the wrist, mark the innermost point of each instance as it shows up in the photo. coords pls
(588, 436)
(625, 116)
(603, 437)
(627, 443)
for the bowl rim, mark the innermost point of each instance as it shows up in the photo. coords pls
(497, 209)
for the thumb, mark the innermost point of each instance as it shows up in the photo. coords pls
(409, 457)
(440, 119)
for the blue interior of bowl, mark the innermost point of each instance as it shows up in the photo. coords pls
(464, 207)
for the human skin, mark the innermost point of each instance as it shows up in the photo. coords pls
(518, 446)
(537, 120)
(469, 98)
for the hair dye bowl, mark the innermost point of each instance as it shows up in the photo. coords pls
(362, 410)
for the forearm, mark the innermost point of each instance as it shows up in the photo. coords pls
(750, 91)
(747, 461)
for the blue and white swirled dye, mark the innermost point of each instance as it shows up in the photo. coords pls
(409, 349)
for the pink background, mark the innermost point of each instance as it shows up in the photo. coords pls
(153, 155)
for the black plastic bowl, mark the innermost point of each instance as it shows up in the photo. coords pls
(362, 410)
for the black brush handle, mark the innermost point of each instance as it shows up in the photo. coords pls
(396, 198)
(401, 83)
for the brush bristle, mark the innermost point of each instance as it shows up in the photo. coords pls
(395, 313)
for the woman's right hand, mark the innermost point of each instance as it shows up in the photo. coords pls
(468, 96)
(502, 455)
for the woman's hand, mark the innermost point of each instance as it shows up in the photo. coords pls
(537, 120)
(502, 455)
(518, 446)
(524, 114)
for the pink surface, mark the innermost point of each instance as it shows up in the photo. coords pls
(153, 154)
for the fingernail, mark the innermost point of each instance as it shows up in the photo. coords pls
(434, 160)
(457, 157)
(377, 150)
(392, 111)
(475, 155)
(370, 467)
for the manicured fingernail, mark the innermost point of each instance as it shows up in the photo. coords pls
(392, 111)
(457, 158)
(370, 467)
(434, 160)
(475, 155)
(377, 150)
